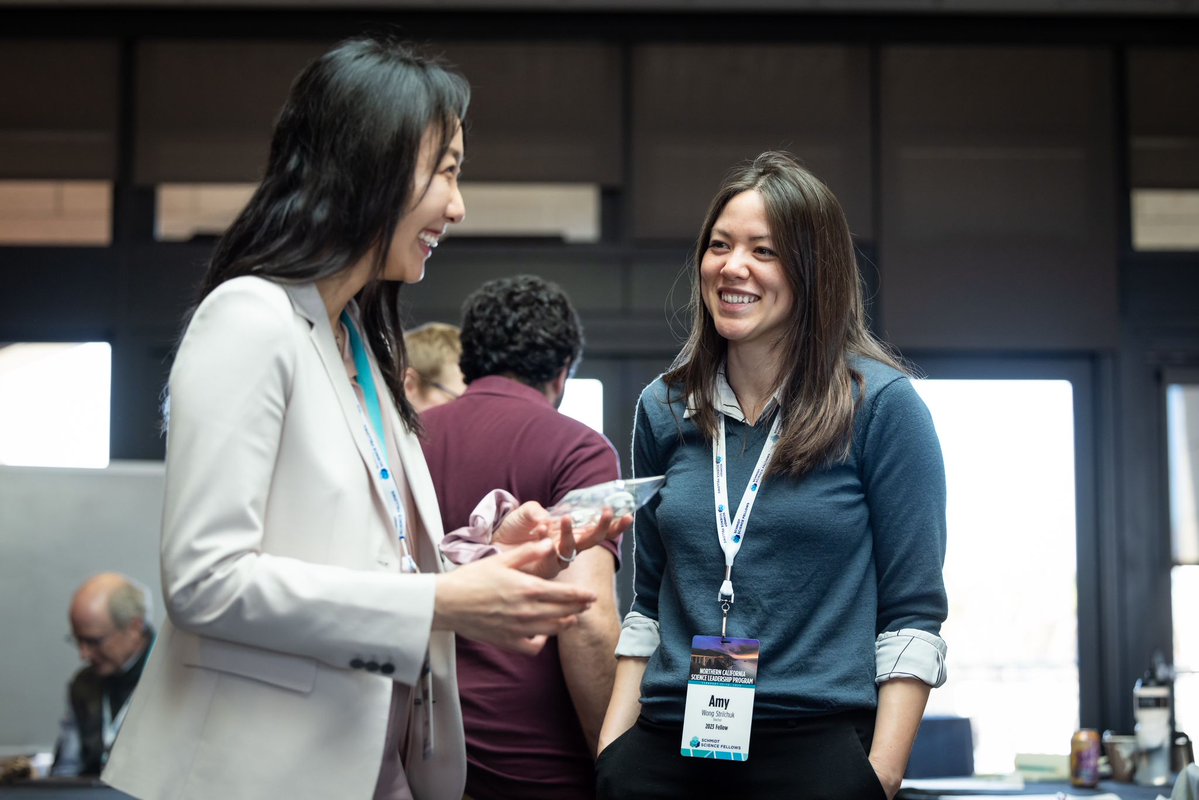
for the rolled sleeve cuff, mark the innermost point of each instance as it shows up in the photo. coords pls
(639, 636)
(910, 653)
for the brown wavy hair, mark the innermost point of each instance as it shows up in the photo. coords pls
(817, 393)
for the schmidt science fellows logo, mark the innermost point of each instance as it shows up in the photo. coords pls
(695, 741)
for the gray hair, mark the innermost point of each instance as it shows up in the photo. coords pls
(128, 602)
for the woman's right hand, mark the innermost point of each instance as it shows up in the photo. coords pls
(496, 600)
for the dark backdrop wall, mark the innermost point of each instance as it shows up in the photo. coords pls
(986, 163)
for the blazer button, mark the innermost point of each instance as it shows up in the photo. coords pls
(357, 663)
(372, 666)
(387, 669)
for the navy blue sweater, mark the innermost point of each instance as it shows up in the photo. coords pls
(828, 562)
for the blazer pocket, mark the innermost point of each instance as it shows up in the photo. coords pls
(296, 673)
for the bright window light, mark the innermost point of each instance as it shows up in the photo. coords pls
(1185, 585)
(584, 401)
(1009, 463)
(1182, 437)
(54, 404)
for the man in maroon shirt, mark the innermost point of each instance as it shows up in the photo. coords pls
(531, 722)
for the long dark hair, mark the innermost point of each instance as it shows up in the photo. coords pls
(809, 231)
(340, 177)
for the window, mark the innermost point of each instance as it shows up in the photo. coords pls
(1009, 461)
(1182, 448)
(1185, 589)
(584, 401)
(54, 404)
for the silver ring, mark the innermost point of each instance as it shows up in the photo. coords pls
(567, 561)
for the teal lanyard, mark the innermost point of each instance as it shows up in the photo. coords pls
(366, 380)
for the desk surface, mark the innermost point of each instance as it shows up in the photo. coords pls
(85, 789)
(61, 789)
(1125, 791)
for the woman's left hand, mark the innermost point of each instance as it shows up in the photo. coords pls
(530, 521)
(608, 527)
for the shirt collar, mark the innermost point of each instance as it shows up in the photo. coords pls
(726, 400)
(507, 387)
(147, 643)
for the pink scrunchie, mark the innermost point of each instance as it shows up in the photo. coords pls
(473, 542)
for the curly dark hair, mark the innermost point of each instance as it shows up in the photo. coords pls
(523, 326)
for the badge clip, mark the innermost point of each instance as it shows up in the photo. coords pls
(725, 598)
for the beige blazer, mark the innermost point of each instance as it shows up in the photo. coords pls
(280, 570)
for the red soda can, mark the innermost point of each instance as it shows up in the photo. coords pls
(1084, 758)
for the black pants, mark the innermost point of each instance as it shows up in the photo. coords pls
(821, 758)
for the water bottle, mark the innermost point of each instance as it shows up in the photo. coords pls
(584, 506)
(1151, 710)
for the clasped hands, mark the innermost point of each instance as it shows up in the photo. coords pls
(510, 599)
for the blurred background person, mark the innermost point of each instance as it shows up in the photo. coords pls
(433, 377)
(531, 721)
(110, 625)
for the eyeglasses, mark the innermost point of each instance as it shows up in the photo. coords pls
(94, 642)
(441, 388)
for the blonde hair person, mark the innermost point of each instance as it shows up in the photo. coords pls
(433, 376)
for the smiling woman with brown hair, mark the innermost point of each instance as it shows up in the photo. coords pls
(823, 609)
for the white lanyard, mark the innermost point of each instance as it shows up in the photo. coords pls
(382, 476)
(109, 726)
(731, 532)
(386, 481)
(387, 485)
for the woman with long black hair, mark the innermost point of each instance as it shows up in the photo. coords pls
(309, 652)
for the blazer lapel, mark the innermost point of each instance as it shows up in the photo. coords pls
(308, 303)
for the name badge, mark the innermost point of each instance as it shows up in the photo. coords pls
(720, 698)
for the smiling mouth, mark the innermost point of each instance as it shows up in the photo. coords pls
(428, 239)
(735, 299)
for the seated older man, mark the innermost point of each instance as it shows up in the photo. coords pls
(110, 626)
